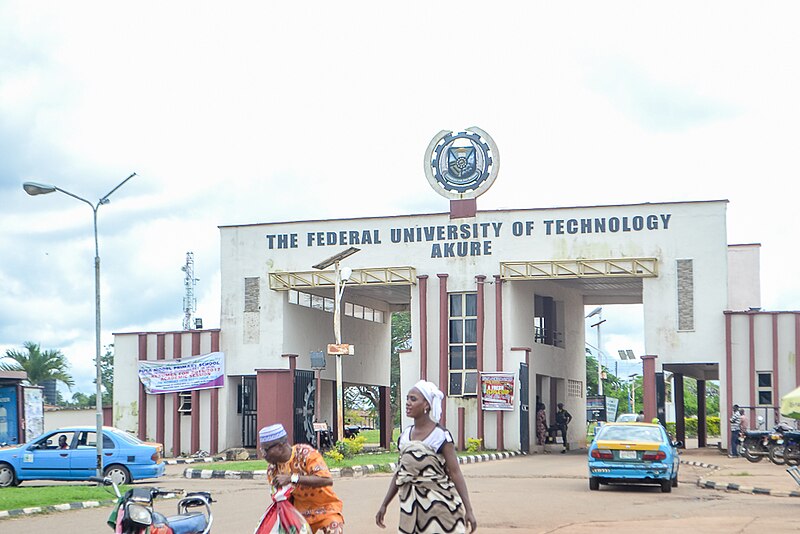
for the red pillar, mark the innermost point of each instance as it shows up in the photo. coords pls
(444, 342)
(480, 281)
(176, 402)
(423, 326)
(195, 439)
(385, 407)
(214, 445)
(275, 389)
(161, 354)
(649, 387)
(498, 313)
(142, 394)
(461, 431)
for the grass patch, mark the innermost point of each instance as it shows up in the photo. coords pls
(26, 497)
(374, 436)
(382, 458)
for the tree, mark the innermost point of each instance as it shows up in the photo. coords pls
(107, 375)
(40, 365)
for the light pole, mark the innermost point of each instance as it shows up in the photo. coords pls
(339, 282)
(33, 189)
(599, 312)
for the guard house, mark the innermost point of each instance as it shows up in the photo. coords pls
(497, 302)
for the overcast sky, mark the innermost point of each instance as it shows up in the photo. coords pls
(246, 112)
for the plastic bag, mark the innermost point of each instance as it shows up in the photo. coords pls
(281, 517)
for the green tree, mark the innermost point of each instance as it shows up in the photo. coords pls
(107, 375)
(40, 365)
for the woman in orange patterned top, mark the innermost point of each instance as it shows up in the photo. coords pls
(303, 466)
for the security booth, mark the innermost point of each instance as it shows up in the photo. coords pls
(21, 409)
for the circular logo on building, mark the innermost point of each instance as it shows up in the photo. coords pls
(462, 165)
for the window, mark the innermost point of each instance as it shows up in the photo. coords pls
(546, 314)
(463, 346)
(185, 406)
(764, 392)
(327, 304)
(685, 270)
(87, 440)
(575, 388)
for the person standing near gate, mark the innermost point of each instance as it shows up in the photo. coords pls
(563, 418)
(736, 425)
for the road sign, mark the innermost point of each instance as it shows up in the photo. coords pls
(342, 349)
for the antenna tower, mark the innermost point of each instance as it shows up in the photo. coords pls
(189, 301)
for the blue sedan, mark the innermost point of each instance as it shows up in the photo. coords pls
(71, 454)
(633, 453)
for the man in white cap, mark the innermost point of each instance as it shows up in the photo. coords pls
(303, 466)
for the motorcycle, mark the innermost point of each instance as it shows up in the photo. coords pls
(754, 444)
(134, 513)
(791, 448)
(777, 443)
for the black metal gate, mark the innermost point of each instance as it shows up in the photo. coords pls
(246, 405)
(304, 389)
(524, 415)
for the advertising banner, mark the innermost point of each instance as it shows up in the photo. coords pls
(34, 412)
(497, 391)
(185, 374)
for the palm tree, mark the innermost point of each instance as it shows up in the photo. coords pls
(40, 366)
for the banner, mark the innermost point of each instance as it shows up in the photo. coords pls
(185, 374)
(497, 391)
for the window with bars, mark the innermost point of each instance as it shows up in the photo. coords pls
(575, 388)
(463, 344)
(764, 389)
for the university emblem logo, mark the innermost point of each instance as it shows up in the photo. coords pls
(461, 165)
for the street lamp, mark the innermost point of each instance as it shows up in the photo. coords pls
(33, 189)
(341, 275)
(599, 312)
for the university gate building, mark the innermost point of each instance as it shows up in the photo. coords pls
(491, 294)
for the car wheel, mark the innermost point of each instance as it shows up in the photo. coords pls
(675, 481)
(594, 483)
(666, 486)
(7, 476)
(119, 474)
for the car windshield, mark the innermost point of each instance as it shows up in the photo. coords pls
(630, 433)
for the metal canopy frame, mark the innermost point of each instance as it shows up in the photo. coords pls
(378, 276)
(594, 268)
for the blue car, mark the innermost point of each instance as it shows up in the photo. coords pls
(71, 454)
(633, 453)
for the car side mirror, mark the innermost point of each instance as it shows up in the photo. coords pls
(677, 444)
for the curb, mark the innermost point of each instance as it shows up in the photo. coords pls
(209, 459)
(710, 484)
(701, 464)
(344, 472)
(54, 508)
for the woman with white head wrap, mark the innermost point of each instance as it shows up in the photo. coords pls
(433, 494)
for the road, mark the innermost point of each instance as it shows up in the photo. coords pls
(534, 494)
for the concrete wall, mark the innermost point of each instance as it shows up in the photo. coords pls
(744, 277)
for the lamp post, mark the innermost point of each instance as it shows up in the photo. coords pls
(33, 189)
(599, 312)
(339, 282)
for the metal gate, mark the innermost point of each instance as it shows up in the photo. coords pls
(247, 407)
(524, 415)
(304, 390)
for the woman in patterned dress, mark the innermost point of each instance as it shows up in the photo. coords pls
(541, 424)
(433, 493)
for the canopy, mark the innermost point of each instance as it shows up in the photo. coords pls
(790, 404)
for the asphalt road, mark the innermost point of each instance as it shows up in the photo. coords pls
(534, 494)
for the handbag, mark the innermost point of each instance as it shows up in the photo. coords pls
(281, 517)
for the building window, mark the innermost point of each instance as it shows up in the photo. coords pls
(546, 315)
(185, 403)
(764, 392)
(251, 294)
(463, 344)
(575, 388)
(327, 304)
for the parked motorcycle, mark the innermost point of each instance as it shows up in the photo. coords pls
(134, 513)
(791, 448)
(777, 444)
(754, 444)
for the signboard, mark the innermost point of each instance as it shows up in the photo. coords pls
(320, 427)
(612, 404)
(596, 408)
(34, 412)
(341, 349)
(497, 391)
(185, 374)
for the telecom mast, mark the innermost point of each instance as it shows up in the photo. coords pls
(189, 301)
